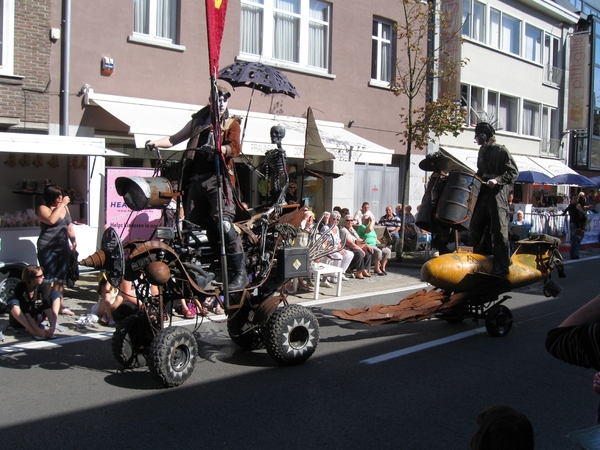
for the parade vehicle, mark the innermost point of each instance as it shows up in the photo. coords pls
(463, 284)
(183, 264)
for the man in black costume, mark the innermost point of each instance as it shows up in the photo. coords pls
(498, 170)
(200, 182)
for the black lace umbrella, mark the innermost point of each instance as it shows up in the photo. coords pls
(257, 76)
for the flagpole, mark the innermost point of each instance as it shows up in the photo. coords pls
(215, 120)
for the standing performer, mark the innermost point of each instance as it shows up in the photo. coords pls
(200, 183)
(498, 170)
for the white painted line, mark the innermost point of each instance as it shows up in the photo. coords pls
(105, 335)
(365, 294)
(36, 345)
(424, 346)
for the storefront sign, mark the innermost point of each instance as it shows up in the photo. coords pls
(130, 225)
(579, 83)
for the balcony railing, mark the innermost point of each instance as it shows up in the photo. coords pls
(550, 147)
(553, 75)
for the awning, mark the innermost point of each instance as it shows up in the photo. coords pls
(468, 158)
(53, 144)
(149, 119)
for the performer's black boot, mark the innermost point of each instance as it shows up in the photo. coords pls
(239, 278)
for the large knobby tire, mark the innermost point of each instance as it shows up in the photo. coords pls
(172, 356)
(498, 321)
(127, 344)
(7, 289)
(291, 335)
(243, 333)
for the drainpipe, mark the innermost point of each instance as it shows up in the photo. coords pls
(65, 68)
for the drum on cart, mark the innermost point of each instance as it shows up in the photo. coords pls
(458, 199)
(425, 218)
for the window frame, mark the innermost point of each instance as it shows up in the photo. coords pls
(152, 36)
(267, 30)
(499, 41)
(540, 50)
(376, 57)
(7, 63)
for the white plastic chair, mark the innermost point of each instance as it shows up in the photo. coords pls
(423, 240)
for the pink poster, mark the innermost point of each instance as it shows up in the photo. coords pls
(129, 225)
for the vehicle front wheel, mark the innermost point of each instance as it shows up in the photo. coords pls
(173, 355)
(291, 335)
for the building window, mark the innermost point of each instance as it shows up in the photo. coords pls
(290, 31)
(474, 20)
(533, 44)
(156, 19)
(381, 55)
(472, 99)
(7, 22)
(531, 118)
(550, 144)
(553, 72)
(508, 113)
(505, 32)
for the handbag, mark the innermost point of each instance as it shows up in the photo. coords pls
(580, 233)
(73, 269)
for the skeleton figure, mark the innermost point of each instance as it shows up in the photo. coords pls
(275, 167)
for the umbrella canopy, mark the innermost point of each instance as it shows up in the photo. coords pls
(533, 177)
(596, 180)
(574, 179)
(258, 76)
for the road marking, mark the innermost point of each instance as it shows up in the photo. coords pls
(366, 294)
(424, 346)
(37, 345)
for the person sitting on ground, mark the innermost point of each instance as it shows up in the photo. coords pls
(343, 213)
(501, 427)
(361, 260)
(409, 231)
(32, 302)
(380, 253)
(107, 303)
(392, 223)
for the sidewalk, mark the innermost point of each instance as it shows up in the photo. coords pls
(83, 296)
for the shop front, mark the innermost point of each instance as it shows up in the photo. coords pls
(27, 163)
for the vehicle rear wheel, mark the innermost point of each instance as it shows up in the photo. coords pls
(127, 344)
(291, 335)
(498, 321)
(173, 355)
(243, 332)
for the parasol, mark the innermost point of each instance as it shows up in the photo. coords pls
(255, 75)
(534, 177)
(574, 179)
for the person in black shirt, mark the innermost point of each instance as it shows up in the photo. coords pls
(32, 302)
(577, 219)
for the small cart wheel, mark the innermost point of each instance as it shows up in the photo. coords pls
(498, 321)
(173, 356)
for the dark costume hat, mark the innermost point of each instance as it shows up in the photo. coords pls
(484, 128)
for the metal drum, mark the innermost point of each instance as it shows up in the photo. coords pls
(142, 193)
(458, 199)
(426, 215)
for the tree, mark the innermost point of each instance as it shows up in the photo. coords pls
(418, 62)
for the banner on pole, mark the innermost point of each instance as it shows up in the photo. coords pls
(579, 81)
(215, 23)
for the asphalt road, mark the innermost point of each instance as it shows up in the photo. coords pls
(403, 386)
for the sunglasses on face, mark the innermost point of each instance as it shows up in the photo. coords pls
(224, 96)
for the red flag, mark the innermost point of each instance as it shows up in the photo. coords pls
(215, 23)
